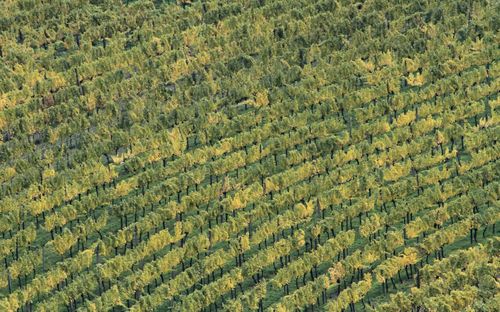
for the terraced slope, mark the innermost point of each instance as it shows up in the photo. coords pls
(249, 155)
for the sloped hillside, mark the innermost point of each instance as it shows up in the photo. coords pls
(250, 155)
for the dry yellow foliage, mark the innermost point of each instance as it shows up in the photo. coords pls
(410, 65)
(415, 80)
(8, 173)
(261, 99)
(179, 69)
(405, 118)
(366, 65)
(48, 173)
(5, 102)
(58, 80)
(386, 59)
(124, 187)
(336, 272)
